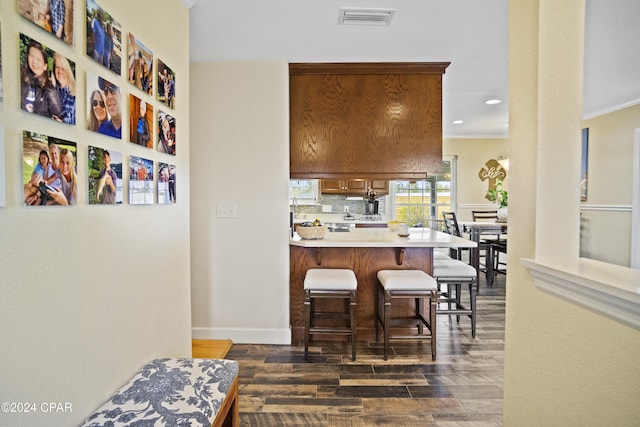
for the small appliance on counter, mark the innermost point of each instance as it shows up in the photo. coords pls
(371, 208)
(371, 203)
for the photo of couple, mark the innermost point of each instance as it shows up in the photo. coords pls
(104, 37)
(104, 106)
(47, 82)
(49, 170)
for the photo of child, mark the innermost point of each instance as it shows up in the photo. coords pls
(140, 122)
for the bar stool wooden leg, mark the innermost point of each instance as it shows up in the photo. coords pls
(473, 292)
(307, 322)
(387, 323)
(352, 319)
(433, 307)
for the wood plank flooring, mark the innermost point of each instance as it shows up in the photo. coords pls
(463, 387)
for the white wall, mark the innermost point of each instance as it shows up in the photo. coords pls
(606, 215)
(240, 156)
(564, 365)
(88, 294)
(473, 155)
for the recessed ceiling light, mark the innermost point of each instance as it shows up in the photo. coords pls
(493, 101)
(457, 122)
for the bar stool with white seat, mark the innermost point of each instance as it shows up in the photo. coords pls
(406, 284)
(330, 283)
(454, 273)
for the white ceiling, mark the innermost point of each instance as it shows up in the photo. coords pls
(471, 34)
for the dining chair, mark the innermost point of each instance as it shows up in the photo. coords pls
(484, 245)
(451, 227)
(479, 216)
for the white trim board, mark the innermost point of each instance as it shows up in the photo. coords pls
(607, 289)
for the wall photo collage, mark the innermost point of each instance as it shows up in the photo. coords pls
(48, 89)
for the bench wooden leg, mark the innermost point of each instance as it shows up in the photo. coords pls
(229, 413)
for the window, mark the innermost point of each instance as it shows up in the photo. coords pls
(421, 203)
(303, 191)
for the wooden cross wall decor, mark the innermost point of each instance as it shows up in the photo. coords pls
(492, 172)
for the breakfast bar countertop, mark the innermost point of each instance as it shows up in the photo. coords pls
(385, 238)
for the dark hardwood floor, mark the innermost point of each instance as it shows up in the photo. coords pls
(463, 387)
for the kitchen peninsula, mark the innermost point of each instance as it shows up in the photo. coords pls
(365, 251)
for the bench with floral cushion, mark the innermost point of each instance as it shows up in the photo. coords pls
(174, 392)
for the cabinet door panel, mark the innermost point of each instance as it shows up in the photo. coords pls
(332, 186)
(357, 186)
(380, 186)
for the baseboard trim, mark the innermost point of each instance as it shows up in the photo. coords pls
(243, 336)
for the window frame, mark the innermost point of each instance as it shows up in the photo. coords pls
(433, 208)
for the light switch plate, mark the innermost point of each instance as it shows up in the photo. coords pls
(226, 210)
(326, 208)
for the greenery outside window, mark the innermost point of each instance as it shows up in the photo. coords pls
(303, 191)
(421, 203)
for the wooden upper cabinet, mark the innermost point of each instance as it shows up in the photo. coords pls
(375, 121)
(380, 186)
(356, 187)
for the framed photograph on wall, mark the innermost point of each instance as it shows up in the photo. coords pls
(47, 82)
(166, 85)
(104, 37)
(166, 184)
(166, 133)
(140, 65)
(53, 16)
(104, 106)
(105, 176)
(49, 170)
(140, 181)
(584, 165)
(140, 122)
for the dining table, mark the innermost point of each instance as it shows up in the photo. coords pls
(476, 230)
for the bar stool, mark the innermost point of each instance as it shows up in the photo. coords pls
(405, 284)
(330, 283)
(454, 273)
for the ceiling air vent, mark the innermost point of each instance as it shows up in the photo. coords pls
(349, 16)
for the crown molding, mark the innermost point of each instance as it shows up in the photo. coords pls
(189, 3)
